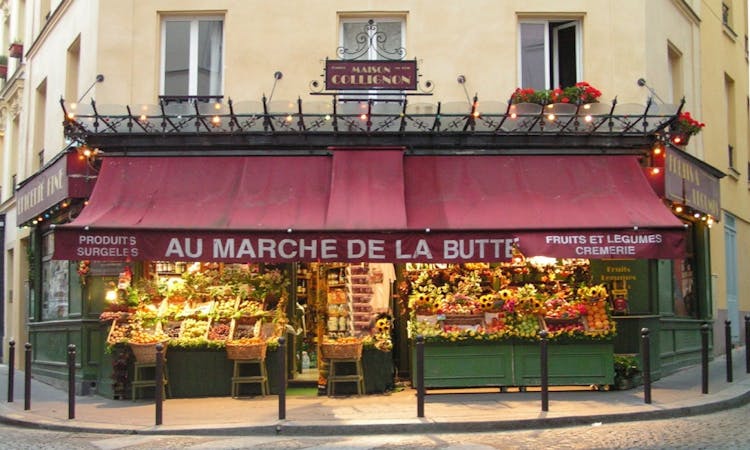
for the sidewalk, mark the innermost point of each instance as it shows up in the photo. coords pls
(676, 395)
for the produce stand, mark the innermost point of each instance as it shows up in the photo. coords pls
(482, 325)
(502, 365)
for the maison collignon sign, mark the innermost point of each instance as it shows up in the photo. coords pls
(366, 75)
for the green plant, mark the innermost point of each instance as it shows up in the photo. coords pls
(626, 367)
(3, 60)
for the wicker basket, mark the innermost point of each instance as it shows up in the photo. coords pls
(352, 350)
(246, 351)
(146, 353)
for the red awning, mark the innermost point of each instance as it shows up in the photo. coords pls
(371, 205)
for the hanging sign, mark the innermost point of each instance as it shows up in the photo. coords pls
(688, 183)
(367, 75)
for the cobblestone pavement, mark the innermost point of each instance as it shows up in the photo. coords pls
(722, 430)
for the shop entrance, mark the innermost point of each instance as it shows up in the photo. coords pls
(333, 302)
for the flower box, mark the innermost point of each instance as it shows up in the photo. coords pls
(15, 50)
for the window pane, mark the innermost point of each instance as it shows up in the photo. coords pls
(176, 57)
(392, 32)
(209, 57)
(566, 54)
(532, 56)
(54, 289)
(351, 32)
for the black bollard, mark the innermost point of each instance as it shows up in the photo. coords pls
(747, 344)
(159, 383)
(282, 378)
(71, 381)
(420, 376)
(11, 368)
(27, 379)
(646, 357)
(704, 358)
(728, 347)
(544, 370)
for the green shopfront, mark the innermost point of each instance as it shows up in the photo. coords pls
(463, 192)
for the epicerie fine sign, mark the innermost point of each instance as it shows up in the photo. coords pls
(364, 75)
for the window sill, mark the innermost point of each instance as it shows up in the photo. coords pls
(734, 173)
(729, 32)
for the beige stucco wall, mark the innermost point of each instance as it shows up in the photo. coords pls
(724, 55)
(478, 40)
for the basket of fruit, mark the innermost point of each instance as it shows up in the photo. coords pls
(344, 348)
(246, 348)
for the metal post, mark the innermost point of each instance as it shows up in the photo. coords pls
(704, 358)
(728, 348)
(420, 376)
(159, 383)
(27, 378)
(71, 381)
(747, 343)
(282, 378)
(646, 357)
(11, 368)
(544, 370)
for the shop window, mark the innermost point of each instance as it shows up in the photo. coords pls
(684, 277)
(550, 53)
(192, 56)
(55, 277)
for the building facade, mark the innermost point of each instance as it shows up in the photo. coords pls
(141, 53)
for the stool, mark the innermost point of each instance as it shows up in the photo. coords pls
(141, 381)
(357, 377)
(238, 378)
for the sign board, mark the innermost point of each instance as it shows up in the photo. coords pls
(371, 75)
(688, 183)
(428, 247)
(65, 178)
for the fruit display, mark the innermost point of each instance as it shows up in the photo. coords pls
(219, 331)
(205, 303)
(193, 328)
(597, 316)
(476, 302)
(526, 326)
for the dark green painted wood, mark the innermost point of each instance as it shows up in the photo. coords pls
(467, 365)
(569, 364)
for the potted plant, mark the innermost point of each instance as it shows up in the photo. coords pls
(580, 93)
(684, 127)
(16, 49)
(3, 66)
(627, 372)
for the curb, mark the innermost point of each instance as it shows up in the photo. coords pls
(423, 425)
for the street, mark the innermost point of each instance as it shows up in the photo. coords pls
(722, 430)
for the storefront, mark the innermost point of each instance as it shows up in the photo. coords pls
(334, 217)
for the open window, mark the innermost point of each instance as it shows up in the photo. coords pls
(550, 53)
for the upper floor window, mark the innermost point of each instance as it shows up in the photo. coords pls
(550, 53)
(192, 56)
(372, 39)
